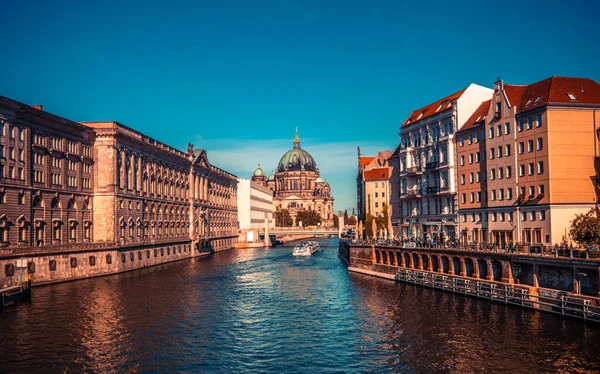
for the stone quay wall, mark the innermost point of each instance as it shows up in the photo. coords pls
(45, 266)
(544, 283)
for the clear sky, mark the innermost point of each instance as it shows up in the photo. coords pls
(237, 77)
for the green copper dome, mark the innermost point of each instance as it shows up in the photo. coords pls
(297, 159)
(258, 172)
(320, 180)
(271, 177)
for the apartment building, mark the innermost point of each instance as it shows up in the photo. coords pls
(427, 177)
(539, 171)
(472, 178)
(373, 188)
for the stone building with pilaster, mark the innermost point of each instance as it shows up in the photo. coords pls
(85, 199)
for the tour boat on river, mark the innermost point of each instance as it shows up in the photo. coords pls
(306, 249)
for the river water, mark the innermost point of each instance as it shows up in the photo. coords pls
(263, 310)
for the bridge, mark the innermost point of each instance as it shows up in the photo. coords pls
(299, 231)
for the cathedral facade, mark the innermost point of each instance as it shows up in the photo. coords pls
(297, 185)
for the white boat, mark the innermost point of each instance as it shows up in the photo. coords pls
(306, 249)
(314, 247)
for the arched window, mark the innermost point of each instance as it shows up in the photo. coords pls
(55, 203)
(37, 202)
(71, 204)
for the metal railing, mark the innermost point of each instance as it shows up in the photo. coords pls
(565, 305)
(414, 170)
(538, 250)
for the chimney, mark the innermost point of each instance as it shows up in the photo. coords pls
(38, 107)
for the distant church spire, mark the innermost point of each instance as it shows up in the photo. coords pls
(297, 140)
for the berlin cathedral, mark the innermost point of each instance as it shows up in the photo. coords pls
(297, 185)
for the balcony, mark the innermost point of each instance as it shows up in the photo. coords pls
(414, 170)
(432, 165)
(415, 192)
(433, 189)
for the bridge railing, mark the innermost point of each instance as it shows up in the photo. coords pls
(538, 250)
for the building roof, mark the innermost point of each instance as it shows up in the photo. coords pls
(478, 117)
(364, 160)
(377, 174)
(560, 90)
(433, 108)
(379, 161)
(37, 111)
(514, 93)
(297, 159)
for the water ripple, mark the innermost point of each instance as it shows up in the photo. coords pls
(263, 310)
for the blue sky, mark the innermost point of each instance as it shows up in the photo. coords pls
(237, 77)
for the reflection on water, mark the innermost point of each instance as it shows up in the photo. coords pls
(262, 310)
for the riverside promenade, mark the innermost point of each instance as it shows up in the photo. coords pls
(545, 281)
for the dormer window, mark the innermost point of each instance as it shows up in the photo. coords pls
(571, 96)
(442, 105)
(528, 102)
(538, 99)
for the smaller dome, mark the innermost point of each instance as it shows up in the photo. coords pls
(271, 177)
(258, 172)
(319, 180)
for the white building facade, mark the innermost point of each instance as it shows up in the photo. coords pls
(426, 182)
(255, 210)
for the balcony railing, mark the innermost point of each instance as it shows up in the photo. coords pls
(432, 165)
(416, 192)
(433, 189)
(414, 170)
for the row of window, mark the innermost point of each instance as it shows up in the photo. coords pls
(129, 229)
(501, 194)
(40, 232)
(57, 143)
(531, 168)
(12, 132)
(419, 138)
(13, 153)
(9, 269)
(472, 159)
(504, 216)
(500, 130)
(502, 172)
(539, 147)
(12, 172)
(521, 124)
(56, 179)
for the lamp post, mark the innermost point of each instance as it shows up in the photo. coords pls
(597, 131)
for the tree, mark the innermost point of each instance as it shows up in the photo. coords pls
(351, 221)
(283, 218)
(369, 225)
(383, 218)
(335, 221)
(346, 217)
(585, 229)
(308, 218)
(380, 221)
